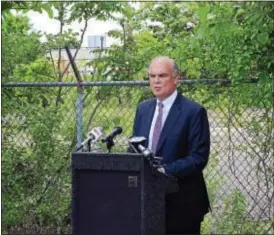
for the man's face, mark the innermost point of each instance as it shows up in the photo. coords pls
(162, 80)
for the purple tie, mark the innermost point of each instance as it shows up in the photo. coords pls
(157, 128)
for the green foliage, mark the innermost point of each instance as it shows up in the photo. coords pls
(38, 70)
(121, 61)
(24, 7)
(101, 11)
(234, 207)
(231, 218)
(29, 165)
(36, 182)
(19, 44)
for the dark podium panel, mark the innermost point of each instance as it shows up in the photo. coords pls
(116, 194)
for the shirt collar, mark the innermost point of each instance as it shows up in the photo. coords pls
(169, 100)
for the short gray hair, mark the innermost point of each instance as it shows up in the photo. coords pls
(175, 67)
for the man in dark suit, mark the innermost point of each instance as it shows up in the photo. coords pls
(177, 130)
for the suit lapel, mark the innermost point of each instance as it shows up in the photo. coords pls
(173, 115)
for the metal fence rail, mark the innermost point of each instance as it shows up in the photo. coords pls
(41, 127)
(120, 83)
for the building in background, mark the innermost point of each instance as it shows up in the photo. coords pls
(97, 41)
(84, 55)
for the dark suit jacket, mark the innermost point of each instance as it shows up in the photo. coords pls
(184, 145)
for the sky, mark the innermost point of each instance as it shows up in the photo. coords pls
(43, 23)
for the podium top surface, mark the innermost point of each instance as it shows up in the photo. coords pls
(92, 154)
(107, 161)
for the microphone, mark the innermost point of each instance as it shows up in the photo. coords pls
(155, 162)
(93, 135)
(134, 141)
(116, 131)
(145, 152)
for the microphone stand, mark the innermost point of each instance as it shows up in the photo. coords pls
(89, 143)
(133, 147)
(86, 142)
(110, 144)
(80, 147)
(136, 143)
(154, 162)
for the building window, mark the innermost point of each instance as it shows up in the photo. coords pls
(97, 41)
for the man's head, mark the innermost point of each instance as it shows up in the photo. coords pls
(163, 76)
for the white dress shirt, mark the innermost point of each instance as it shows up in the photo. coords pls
(168, 102)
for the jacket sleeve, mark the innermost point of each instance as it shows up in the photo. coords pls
(136, 122)
(198, 148)
(135, 130)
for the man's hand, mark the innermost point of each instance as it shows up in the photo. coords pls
(161, 170)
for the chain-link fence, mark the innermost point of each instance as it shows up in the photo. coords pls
(43, 122)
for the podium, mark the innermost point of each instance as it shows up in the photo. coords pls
(116, 194)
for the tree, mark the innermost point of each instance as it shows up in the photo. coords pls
(19, 45)
(23, 6)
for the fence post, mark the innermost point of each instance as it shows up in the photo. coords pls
(79, 105)
(79, 115)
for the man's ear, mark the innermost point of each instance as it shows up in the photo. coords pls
(176, 79)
